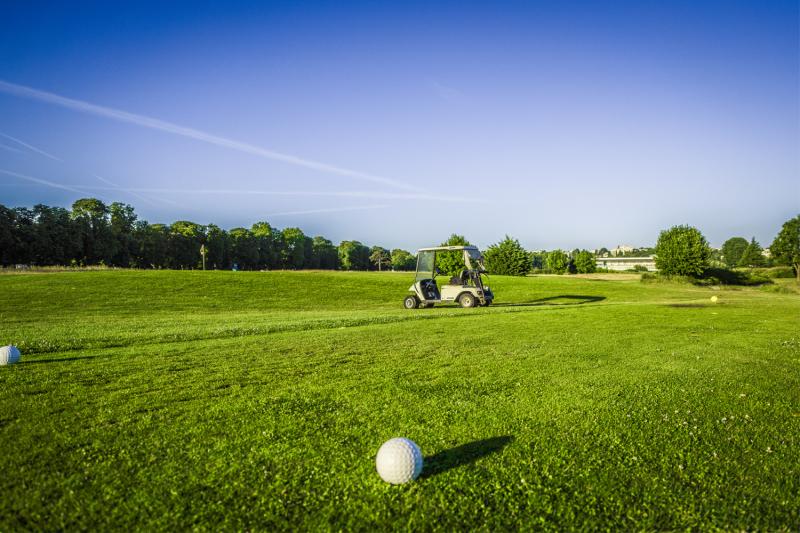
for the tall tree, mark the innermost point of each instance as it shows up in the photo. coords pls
(753, 255)
(353, 256)
(507, 257)
(97, 241)
(294, 248)
(732, 250)
(403, 260)
(123, 220)
(785, 249)
(380, 257)
(55, 240)
(269, 240)
(185, 239)
(244, 249)
(325, 253)
(152, 245)
(218, 248)
(682, 250)
(8, 241)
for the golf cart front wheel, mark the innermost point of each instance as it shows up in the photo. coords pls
(411, 302)
(467, 300)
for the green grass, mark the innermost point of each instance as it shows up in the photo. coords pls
(230, 401)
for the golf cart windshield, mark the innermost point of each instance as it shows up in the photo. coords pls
(425, 264)
(475, 258)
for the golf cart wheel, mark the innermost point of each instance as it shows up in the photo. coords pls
(411, 302)
(467, 300)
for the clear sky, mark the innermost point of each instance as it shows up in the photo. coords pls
(563, 124)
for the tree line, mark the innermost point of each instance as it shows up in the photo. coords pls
(93, 233)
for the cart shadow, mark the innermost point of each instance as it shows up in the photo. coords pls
(577, 299)
(464, 454)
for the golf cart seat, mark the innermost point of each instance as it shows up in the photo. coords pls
(429, 289)
(461, 279)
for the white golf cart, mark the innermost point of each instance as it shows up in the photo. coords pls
(467, 289)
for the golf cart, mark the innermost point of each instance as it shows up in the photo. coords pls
(467, 289)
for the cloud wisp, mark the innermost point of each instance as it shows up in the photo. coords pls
(156, 124)
(327, 210)
(40, 181)
(31, 147)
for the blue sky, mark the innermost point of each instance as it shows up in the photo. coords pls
(563, 124)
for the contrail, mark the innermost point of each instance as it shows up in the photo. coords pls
(51, 156)
(10, 148)
(32, 148)
(256, 192)
(152, 123)
(327, 210)
(43, 182)
(114, 186)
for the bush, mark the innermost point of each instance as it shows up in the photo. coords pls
(585, 262)
(710, 276)
(557, 261)
(507, 257)
(782, 272)
(682, 251)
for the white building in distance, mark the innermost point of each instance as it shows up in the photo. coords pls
(627, 263)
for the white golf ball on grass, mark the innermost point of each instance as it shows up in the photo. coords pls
(9, 355)
(714, 299)
(399, 460)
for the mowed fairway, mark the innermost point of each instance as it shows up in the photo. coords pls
(224, 400)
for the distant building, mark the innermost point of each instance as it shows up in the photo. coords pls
(621, 249)
(627, 263)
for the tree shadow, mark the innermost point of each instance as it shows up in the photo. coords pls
(57, 360)
(464, 454)
(578, 300)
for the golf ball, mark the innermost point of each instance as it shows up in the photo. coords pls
(399, 460)
(9, 355)
(714, 299)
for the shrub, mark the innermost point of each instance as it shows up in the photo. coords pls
(507, 257)
(557, 261)
(585, 262)
(683, 251)
(710, 276)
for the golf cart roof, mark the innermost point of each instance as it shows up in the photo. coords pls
(447, 248)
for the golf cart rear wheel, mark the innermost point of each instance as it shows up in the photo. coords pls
(467, 300)
(411, 302)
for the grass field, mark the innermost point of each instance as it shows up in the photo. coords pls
(224, 400)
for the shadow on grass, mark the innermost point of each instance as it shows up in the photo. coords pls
(57, 360)
(576, 299)
(464, 454)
